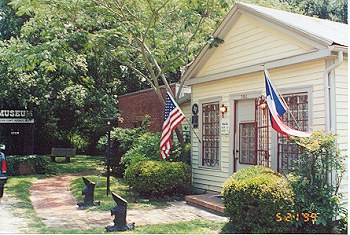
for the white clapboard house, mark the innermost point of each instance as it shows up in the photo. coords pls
(307, 59)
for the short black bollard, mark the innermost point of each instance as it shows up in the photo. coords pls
(89, 194)
(119, 211)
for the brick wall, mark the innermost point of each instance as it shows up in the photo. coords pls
(135, 106)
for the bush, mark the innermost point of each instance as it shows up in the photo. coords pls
(34, 165)
(146, 147)
(158, 178)
(252, 198)
(121, 141)
(314, 192)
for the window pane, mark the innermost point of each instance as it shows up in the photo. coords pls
(210, 134)
(298, 119)
(247, 143)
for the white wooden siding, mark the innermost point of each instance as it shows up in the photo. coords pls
(304, 76)
(249, 43)
(341, 84)
(186, 109)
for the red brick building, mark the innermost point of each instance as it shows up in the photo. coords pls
(135, 106)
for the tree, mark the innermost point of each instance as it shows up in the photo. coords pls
(159, 37)
(10, 24)
(336, 10)
(48, 68)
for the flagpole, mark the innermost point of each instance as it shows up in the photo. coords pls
(188, 122)
(193, 130)
(279, 93)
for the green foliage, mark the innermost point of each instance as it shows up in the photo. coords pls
(336, 10)
(252, 198)
(158, 178)
(321, 162)
(47, 68)
(78, 141)
(121, 141)
(146, 147)
(10, 23)
(37, 164)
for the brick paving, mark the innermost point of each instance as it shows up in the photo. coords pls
(54, 203)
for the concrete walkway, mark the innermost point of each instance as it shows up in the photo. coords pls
(9, 222)
(54, 203)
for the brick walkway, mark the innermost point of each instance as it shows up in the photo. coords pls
(55, 204)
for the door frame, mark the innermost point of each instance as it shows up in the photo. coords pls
(233, 128)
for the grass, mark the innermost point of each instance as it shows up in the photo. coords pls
(19, 187)
(184, 227)
(80, 163)
(119, 187)
(198, 226)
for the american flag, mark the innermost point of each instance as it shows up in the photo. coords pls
(173, 116)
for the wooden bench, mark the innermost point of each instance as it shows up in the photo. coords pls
(62, 152)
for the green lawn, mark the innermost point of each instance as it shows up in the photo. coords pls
(188, 227)
(19, 187)
(80, 163)
(119, 187)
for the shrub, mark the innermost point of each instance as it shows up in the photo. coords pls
(34, 164)
(158, 178)
(311, 181)
(252, 198)
(146, 147)
(121, 141)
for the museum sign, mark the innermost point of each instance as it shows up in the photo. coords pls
(16, 116)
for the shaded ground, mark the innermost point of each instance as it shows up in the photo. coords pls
(54, 203)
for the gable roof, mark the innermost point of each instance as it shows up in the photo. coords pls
(323, 34)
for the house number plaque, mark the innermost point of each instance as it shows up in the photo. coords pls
(225, 126)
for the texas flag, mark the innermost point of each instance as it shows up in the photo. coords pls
(277, 109)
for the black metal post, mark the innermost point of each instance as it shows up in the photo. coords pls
(108, 157)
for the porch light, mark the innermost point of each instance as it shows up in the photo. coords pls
(262, 102)
(223, 110)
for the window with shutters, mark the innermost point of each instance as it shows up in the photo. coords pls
(210, 134)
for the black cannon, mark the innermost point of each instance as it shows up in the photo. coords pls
(88, 192)
(119, 211)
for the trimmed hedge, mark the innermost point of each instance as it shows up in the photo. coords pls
(158, 178)
(252, 198)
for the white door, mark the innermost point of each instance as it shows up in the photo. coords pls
(245, 134)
